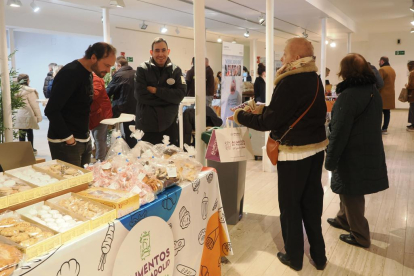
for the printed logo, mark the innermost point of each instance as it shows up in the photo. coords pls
(145, 245)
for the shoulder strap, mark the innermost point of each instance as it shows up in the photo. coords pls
(366, 108)
(304, 113)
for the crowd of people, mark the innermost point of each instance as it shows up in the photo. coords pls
(78, 101)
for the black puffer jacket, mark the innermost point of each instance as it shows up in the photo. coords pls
(48, 79)
(291, 97)
(156, 112)
(356, 152)
(121, 88)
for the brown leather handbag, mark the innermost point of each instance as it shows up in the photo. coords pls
(272, 146)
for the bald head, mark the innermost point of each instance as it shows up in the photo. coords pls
(297, 48)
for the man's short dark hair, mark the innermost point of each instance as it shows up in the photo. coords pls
(122, 61)
(385, 59)
(100, 50)
(158, 40)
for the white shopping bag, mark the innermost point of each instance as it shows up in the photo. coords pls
(234, 144)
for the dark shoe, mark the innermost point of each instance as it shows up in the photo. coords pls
(384, 132)
(284, 259)
(410, 128)
(335, 224)
(348, 238)
(34, 151)
(318, 267)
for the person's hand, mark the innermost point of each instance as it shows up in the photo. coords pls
(152, 89)
(71, 141)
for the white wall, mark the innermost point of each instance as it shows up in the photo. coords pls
(138, 44)
(35, 51)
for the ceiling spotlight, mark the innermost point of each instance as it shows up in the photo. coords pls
(35, 7)
(14, 3)
(177, 31)
(117, 3)
(326, 42)
(164, 30)
(219, 40)
(246, 34)
(234, 41)
(333, 44)
(304, 34)
(144, 26)
(412, 7)
(412, 30)
(261, 19)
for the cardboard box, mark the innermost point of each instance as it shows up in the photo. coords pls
(125, 203)
(15, 155)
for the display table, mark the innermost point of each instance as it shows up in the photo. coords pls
(193, 211)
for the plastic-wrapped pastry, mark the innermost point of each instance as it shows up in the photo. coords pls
(81, 207)
(10, 257)
(11, 185)
(32, 176)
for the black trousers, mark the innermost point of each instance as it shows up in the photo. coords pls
(301, 199)
(156, 137)
(387, 117)
(78, 155)
(131, 141)
(22, 135)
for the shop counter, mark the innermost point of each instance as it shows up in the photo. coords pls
(193, 211)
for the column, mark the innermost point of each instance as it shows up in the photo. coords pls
(200, 76)
(322, 69)
(106, 25)
(349, 43)
(5, 79)
(270, 67)
(253, 57)
(12, 48)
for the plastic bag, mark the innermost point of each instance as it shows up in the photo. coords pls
(119, 148)
(142, 149)
(21, 232)
(165, 150)
(187, 166)
(81, 207)
(167, 173)
(10, 257)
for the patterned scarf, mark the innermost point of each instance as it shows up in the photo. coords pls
(303, 62)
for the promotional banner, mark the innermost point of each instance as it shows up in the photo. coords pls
(232, 80)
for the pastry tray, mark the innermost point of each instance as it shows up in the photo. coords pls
(6, 201)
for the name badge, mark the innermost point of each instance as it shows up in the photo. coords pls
(171, 81)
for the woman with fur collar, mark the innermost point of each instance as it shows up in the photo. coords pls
(301, 153)
(27, 117)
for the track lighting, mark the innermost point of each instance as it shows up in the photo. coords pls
(247, 34)
(412, 30)
(219, 40)
(304, 34)
(164, 30)
(14, 3)
(234, 41)
(326, 42)
(35, 7)
(117, 3)
(177, 31)
(261, 20)
(412, 7)
(333, 44)
(143, 25)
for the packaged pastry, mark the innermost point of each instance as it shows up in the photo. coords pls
(11, 185)
(119, 148)
(123, 202)
(19, 231)
(142, 149)
(167, 173)
(82, 207)
(33, 176)
(61, 169)
(49, 216)
(10, 257)
(188, 167)
(165, 150)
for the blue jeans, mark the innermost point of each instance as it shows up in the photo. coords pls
(100, 134)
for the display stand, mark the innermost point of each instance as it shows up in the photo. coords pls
(123, 118)
(187, 101)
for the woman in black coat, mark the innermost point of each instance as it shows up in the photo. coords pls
(356, 153)
(260, 85)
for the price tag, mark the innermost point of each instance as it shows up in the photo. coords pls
(141, 176)
(171, 171)
(136, 190)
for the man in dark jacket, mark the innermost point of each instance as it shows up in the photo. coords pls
(209, 82)
(69, 105)
(48, 79)
(159, 90)
(121, 88)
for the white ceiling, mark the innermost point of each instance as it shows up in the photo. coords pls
(225, 18)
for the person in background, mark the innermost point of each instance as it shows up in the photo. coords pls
(101, 109)
(70, 102)
(217, 84)
(327, 71)
(190, 80)
(260, 84)
(159, 90)
(121, 89)
(48, 78)
(301, 152)
(410, 86)
(355, 154)
(27, 117)
(209, 84)
(56, 70)
(388, 91)
(246, 75)
(380, 83)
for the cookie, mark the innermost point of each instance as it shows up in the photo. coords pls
(33, 230)
(10, 231)
(20, 237)
(22, 226)
(8, 222)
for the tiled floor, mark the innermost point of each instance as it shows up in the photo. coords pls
(257, 238)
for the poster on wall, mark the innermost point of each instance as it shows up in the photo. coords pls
(232, 81)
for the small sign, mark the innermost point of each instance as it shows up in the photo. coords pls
(399, 53)
(130, 59)
(123, 54)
